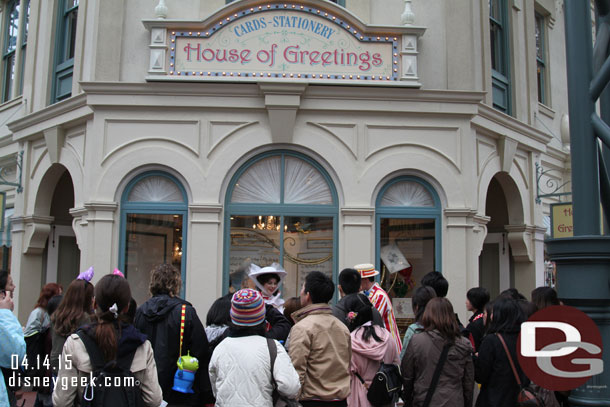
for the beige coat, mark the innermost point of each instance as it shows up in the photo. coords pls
(320, 350)
(75, 367)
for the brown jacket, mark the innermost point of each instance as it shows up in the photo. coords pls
(456, 383)
(320, 350)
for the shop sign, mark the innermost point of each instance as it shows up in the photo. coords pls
(562, 220)
(283, 41)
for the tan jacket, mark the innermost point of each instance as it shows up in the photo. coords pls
(321, 350)
(75, 368)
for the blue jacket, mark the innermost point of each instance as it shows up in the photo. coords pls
(11, 343)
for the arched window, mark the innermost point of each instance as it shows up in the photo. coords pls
(153, 229)
(280, 207)
(408, 233)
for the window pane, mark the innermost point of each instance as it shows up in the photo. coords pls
(155, 189)
(151, 239)
(70, 40)
(308, 246)
(415, 240)
(303, 184)
(12, 28)
(260, 183)
(27, 22)
(407, 193)
(9, 76)
(254, 239)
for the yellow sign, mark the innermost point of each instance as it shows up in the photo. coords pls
(562, 220)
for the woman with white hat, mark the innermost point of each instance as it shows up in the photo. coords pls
(268, 280)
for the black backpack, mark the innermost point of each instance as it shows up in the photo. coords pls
(386, 385)
(114, 385)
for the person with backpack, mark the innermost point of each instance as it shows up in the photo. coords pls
(437, 368)
(243, 368)
(371, 346)
(108, 347)
(160, 318)
(75, 310)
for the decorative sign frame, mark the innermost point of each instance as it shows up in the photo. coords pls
(276, 41)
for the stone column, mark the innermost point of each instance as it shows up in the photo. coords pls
(204, 267)
(30, 234)
(357, 237)
(101, 243)
(462, 244)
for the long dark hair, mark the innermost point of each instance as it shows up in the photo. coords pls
(439, 316)
(422, 295)
(362, 310)
(76, 302)
(111, 289)
(506, 316)
(48, 291)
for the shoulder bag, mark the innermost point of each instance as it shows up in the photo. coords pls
(278, 399)
(528, 396)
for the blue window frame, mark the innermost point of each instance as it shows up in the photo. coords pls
(280, 196)
(154, 209)
(408, 220)
(500, 55)
(65, 44)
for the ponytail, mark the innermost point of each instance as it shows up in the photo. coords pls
(112, 295)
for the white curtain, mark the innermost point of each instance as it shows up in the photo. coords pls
(260, 183)
(407, 193)
(155, 189)
(304, 184)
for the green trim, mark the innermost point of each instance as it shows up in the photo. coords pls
(161, 208)
(501, 77)
(63, 67)
(281, 210)
(408, 212)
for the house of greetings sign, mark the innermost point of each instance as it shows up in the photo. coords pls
(283, 40)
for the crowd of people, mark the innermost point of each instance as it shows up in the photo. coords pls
(256, 347)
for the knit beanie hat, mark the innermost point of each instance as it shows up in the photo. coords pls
(247, 308)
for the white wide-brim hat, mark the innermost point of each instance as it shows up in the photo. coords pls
(366, 270)
(256, 271)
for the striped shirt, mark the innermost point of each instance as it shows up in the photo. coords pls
(380, 300)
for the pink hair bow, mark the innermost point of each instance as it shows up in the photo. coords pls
(118, 272)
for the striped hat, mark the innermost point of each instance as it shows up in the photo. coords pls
(366, 270)
(247, 308)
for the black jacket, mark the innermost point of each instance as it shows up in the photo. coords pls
(279, 326)
(159, 319)
(499, 387)
(476, 328)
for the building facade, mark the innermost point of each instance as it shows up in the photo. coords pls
(313, 134)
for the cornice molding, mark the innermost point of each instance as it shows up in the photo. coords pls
(489, 113)
(54, 114)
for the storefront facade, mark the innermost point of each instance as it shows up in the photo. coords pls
(271, 132)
